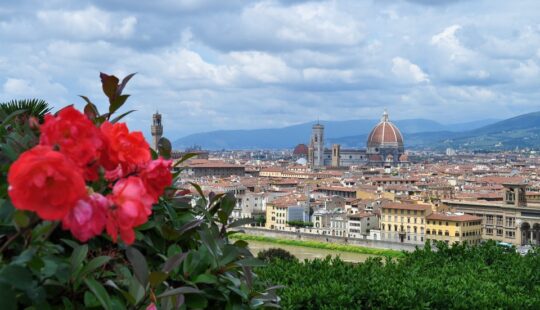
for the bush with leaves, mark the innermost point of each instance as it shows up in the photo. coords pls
(275, 253)
(457, 277)
(160, 249)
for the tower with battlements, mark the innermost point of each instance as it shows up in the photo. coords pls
(157, 129)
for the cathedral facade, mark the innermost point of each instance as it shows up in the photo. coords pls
(384, 147)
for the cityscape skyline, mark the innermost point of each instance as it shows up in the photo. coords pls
(267, 64)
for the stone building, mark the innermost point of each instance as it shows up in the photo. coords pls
(384, 147)
(156, 129)
(513, 220)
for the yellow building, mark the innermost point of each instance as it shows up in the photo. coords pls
(286, 208)
(276, 216)
(452, 227)
(404, 222)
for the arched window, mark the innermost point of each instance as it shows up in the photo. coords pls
(446, 233)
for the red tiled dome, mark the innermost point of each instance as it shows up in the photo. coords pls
(385, 134)
(300, 149)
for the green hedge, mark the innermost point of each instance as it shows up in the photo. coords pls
(322, 245)
(461, 277)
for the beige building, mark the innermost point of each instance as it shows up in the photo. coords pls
(454, 227)
(404, 222)
(513, 220)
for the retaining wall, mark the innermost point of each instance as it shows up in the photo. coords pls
(325, 238)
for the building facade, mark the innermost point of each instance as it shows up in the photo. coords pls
(454, 227)
(513, 220)
(404, 222)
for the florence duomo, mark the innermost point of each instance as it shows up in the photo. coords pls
(384, 148)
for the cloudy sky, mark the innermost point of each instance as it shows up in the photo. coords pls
(256, 64)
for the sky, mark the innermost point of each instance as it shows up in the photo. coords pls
(209, 65)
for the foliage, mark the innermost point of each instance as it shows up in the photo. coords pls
(275, 253)
(322, 245)
(300, 224)
(181, 257)
(460, 277)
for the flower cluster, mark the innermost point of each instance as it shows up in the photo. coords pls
(56, 178)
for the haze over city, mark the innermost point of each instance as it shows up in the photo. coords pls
(208, 65)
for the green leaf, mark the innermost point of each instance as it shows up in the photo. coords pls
(16, 276)
(184, 158)
(205, 278)
(190, 225)
(140, 267)
(199, 190)
(164, 148)
(157, 277)
(251, 261)
(7, 297)
(119, 117)
(99, 292)
(124, 83)
(117, 103)
(180, 290)
(78, 256)
(21, 219)
(173, 262)
(94, 264)
(197, 302)
(109, 84)
(241, 222)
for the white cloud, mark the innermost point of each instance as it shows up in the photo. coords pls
(406, 71)
(17, 87)
(88, 23)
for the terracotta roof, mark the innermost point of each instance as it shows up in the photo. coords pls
(407, 206)
(385, 133)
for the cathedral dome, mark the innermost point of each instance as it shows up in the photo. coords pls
(300, 150)
(385, 134)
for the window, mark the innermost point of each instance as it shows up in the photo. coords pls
(446, 223)
(446, 233)
(499, 232)
(489, 231)
(510, 234)
(428, 232)
(510, 221)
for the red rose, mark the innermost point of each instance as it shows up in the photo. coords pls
(156, 176)
(131, 207)
(46, 182)
(129, 150)
(75, 136)
(88, 218)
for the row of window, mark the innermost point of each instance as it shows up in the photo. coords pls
(499, 232)
(401, 228)
(415, 220)
(447, 233)
(401, 211)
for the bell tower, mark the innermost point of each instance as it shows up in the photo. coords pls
(157, 129)
(317, 146)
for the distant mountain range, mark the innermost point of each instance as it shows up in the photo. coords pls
(522, 131)
(350, 133)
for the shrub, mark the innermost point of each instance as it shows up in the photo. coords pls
(460, 277)
(90, 219)
(275, 253)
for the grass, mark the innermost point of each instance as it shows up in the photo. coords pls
(321, 245)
